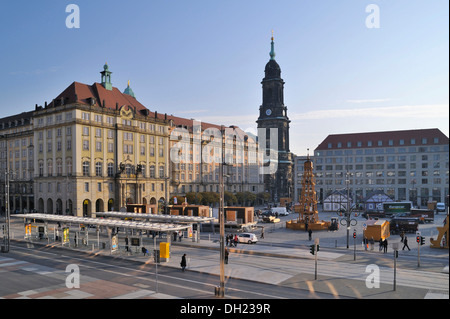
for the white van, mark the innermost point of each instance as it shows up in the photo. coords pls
(440, 207)
(280, 210)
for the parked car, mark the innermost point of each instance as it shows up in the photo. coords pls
(248, 238)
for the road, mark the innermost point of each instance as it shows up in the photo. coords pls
(40, 272)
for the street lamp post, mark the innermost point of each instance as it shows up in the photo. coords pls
(222, 221)
(6, 234)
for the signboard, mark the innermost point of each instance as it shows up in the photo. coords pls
(396, 207)
(65, 235)
(164, 249)
(27, 230)
(114, 243)
(135, 242)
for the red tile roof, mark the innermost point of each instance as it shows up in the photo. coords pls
(82, 93)
(395, 136)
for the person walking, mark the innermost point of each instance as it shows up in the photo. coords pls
(227, 238)
(235, 240)
(405, 243)
(310, 234)
(262, 233)
(385, 245)
(226, 255)
(183, 262)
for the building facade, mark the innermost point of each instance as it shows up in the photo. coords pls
(197, 170)
(94, 148)
(17, 162)
(410, 165)
(98, 149)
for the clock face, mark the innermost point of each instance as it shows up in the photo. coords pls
(268, 112)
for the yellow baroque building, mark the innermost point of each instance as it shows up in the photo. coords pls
(97, 149)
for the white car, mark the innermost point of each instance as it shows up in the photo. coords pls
(440, 207)
(248, 238)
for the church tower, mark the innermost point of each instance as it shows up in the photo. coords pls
(273, 114)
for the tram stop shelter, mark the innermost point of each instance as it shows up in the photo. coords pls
(189, 221)
(111, 225)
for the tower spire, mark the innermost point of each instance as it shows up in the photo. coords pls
(272, 51)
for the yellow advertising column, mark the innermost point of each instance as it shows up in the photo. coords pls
(164, 251)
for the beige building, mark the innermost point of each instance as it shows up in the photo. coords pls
(98, 149)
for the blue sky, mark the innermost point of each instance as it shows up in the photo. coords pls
(205, 59)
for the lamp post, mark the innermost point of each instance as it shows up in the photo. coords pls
(348, 221)
(6, 233)
(221, 220)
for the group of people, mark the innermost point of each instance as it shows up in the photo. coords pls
(231, 240)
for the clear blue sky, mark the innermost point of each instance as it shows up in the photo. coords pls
(205, 59)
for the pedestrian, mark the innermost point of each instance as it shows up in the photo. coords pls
(183, 262)
(262, 233)
(310, 234)
(385, 245)
(227, 240)
(381, 244)
(405, 243)
(402, 235)
(366, 243)
(75, 240)
(226, 255)
(180, 236)
(235, 240)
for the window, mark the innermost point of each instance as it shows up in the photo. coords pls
(49, 168)
(98, 169)
(152, 171)
(161, 172)
(86, 145)
(86, 187)
(85, 131)
(85, 116)
(110, 170)
(69, 167)
(86, 168)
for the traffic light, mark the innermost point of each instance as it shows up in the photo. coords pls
(422, 240)
(354, 234)
(318, 246)
(418, 239)
(312, 249)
